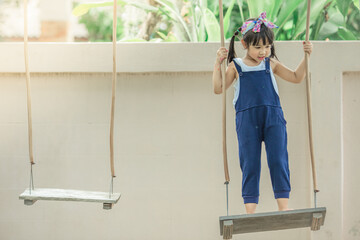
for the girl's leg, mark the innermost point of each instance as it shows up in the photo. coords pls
(250, 208)
(275, 138)
(250, 157)
(283, 204)
(250, 163)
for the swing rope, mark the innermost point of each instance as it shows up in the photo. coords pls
(308, 91)
(28, 90)
(223, 69)
(113, 93)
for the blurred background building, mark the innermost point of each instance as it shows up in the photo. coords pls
(53, 21)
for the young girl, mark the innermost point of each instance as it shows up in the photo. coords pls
(259, 116)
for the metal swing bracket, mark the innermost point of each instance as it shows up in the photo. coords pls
(29, 202)
(228, 226)
(108, 206)
(227, 197)
(317, 218)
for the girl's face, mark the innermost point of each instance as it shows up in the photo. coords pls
(259, 52)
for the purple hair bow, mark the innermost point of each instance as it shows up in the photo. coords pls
(256, 24)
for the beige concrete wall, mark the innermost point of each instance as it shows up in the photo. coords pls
(351, 153)
(168, 141)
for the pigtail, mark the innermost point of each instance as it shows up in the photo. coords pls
(232, 53)
(273, 54)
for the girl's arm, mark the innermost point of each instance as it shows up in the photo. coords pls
(289, 75)
(217, 76)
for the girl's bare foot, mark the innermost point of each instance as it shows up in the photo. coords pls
(288, 209)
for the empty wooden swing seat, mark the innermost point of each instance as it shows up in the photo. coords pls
(271, 221)
(69, 195)
(31, 195)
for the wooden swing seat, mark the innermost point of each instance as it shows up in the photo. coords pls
(69, 195)
(271, 221)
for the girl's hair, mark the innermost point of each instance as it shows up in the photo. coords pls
(251, 38)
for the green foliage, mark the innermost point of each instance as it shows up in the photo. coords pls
(356, 3)
(212, 26)
(99, 23)
(228, 15)
(343, 6)
(198, 20)
(173, 12)
(329, 19)
(83, 8)
(345, 34)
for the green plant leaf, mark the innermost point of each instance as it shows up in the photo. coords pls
(163, 36)
(203, 4)
(286, 11)
(357, 3)
(327, 29)
(169, 38)
(201, 25)
(241, 5)
(256, 7)
(316, 8)
(144, 6)
(213, 5)
(227, 17)
(345, 34)
(83, 8)
(343, 6)
(132, 40)
(173, 9)
(195, 21)
(253, 8)
(271, 7)
(274, 9)
(330, 27)
(212, 26)
(157, 40)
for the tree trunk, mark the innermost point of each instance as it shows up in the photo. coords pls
(150, 23)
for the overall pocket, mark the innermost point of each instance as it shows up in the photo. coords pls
(280, 113)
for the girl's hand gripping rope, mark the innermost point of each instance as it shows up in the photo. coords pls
(308, 47)
(221, 55)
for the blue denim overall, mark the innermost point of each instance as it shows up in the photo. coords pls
(259, 118)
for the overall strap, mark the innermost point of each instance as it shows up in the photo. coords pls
(238, 68)
(267, 64)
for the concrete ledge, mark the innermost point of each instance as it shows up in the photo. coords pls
(138, 57)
